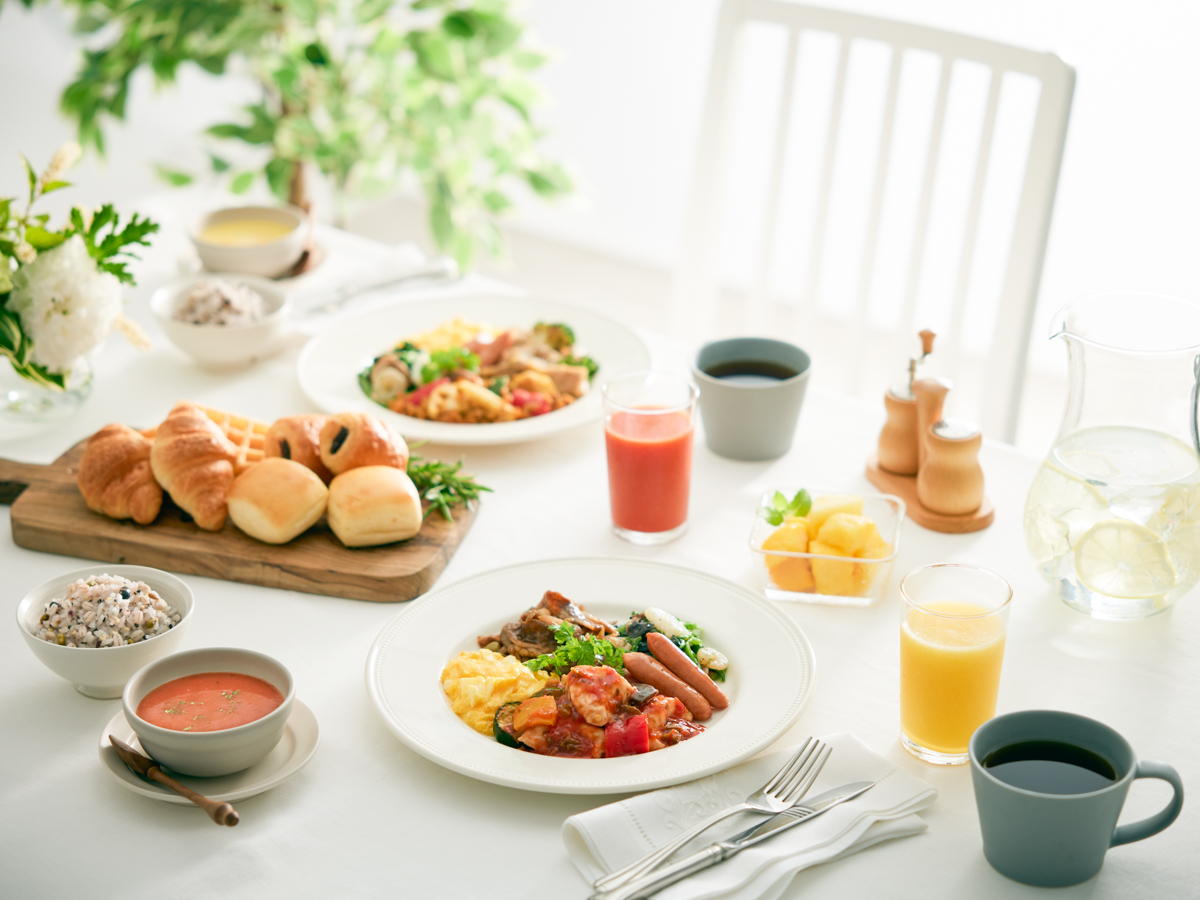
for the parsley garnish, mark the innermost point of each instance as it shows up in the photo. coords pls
(588, 650)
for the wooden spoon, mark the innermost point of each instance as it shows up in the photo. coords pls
(221, 813)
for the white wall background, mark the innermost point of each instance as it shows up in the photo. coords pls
(627, 86)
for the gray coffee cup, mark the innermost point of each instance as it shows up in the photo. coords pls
(1056, 840)
(750, 417)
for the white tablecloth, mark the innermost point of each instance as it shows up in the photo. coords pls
(370, 818)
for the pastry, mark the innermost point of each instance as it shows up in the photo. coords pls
(276, 500)
(351, 440)
(247, 435)
(115, 477)
(373, 505)
(298, 438)
(193, 461)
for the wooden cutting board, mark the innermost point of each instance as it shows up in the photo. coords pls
(48, 514)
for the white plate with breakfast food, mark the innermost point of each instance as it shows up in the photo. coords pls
(437, 686)
(300, 738)
(477, 370)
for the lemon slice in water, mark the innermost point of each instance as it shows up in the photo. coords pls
(1124, 560)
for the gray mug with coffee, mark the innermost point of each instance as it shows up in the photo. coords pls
(750, 395)
(1050, 786)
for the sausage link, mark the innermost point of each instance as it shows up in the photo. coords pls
(648, 670)
(687, 671)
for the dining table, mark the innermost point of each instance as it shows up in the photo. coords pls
(369, 817)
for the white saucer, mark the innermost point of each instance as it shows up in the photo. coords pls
(297, 746)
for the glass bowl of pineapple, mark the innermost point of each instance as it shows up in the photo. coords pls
(824, 547)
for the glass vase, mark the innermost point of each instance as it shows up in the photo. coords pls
(24, 401)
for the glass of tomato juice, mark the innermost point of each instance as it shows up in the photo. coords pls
(649, 423)
(951, 649)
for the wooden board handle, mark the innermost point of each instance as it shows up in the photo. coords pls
(221, 813)
(16, 476)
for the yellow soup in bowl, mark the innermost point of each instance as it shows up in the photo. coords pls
(245, 232)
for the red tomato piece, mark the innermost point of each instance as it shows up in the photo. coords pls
(425, 390)
(536, 404)
(626, 737)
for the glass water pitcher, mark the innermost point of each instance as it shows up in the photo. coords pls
(1113, 517)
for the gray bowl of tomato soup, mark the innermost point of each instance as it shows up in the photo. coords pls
(210, 712)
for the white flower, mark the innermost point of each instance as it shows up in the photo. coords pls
(67, 306)
(25, 252)
(64, 157)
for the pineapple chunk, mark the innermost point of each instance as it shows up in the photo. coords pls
(829, 504)
(875, 548)
(840, 578)
(789, 573)
(848, 532)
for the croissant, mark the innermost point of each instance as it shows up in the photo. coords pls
(193, 461)
(115, 477)
(298, 438)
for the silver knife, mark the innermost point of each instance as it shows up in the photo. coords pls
(715, 853)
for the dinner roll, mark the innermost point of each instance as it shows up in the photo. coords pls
(373, 505)
(351, 440)
(277, 499)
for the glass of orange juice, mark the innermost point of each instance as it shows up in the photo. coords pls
(951, 647)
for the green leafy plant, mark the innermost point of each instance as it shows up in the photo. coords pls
(781, 507)
(25, 235)
(365, 90)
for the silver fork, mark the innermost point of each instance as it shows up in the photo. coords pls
(789, 784)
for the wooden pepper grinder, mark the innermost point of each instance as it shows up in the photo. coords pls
(931, 462)
(899, 441)
(951, 480)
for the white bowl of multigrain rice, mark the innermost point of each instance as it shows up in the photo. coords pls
(101, 671)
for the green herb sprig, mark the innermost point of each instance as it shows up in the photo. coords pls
(440, 485)
(781, 507)
(588, 650)
(442, 362)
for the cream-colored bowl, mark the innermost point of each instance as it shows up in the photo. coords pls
(101, 672)
(210, 753)
(269, 260)
(224, 346)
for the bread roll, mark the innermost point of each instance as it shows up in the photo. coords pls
(352, 440)
(373, 505)
(115, 477)
(298, 438)
(193, 461)
(277, 500)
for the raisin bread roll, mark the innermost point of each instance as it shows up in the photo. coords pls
(276, 500)
(352, 440)
(193, 461)
(373, 505)
(298, 438)
(115, 477)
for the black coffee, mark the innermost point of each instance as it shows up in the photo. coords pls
(757, 367)
(1051, 767)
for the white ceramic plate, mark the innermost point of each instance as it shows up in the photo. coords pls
(297, 746)
(329, 364)
(770, 677)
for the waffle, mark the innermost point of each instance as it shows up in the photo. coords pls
(248, 435)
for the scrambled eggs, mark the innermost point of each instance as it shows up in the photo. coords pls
(455, 333)
(478, 682)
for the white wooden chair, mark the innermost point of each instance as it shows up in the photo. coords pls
(697, 288)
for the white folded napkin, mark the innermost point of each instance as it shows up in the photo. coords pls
(602, 840)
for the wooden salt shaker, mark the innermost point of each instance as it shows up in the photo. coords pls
(931, 397)
(951, 481)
